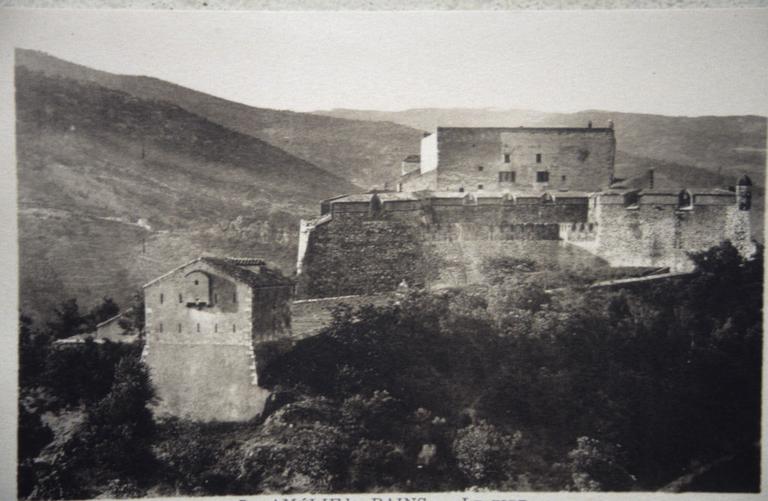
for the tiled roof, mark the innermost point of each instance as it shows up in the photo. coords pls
(246, 261)
(265, 277)
(234, 267)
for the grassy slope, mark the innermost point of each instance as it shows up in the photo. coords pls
(83, 186)
(367, 153)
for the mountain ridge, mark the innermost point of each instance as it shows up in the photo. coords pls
(366, 154)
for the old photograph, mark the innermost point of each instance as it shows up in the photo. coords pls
(304, 253)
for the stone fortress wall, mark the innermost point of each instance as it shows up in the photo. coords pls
(499, 158)
(369, 243)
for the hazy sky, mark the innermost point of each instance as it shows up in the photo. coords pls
(672, 62)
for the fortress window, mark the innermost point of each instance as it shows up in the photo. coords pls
(684, 200)
(215, 298)
(181, 300)
(507, 158)
(538, 158)
(562, 178)
(215, 327)
(161, 298)
(542, 176)
(198, 327)
(506, 177)
(480, 168)
(160, 327)
(179, 327)
(461, 190)
(234, 328)
(479, 186)
(234, 297)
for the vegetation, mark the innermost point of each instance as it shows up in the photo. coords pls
(504, 387)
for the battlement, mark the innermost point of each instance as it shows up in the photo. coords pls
(685, 199)
(578, 232)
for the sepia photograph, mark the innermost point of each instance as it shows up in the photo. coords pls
(312, 253)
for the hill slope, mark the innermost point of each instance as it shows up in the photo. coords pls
(115, 189)
(366, 153)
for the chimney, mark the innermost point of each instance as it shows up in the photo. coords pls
(650, 179)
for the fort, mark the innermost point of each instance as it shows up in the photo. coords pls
(547, 194)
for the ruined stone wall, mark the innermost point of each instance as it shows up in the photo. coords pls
(576, 159)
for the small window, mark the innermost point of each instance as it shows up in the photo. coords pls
(538, 158)
(562, 178)
(198, 327)
(507, 158)
(161, 298)
(480, 168)
(181, 300)
(234, 328)
(479, 186)
(215, 298)
(234, 297)
(506, 177)
(179, 327)
(542, 176)
(215, 327)
(160, 327)
(461, 190)
(197, 282)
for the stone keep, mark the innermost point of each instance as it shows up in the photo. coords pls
(203, 320)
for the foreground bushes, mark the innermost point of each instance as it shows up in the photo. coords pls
(503, 387)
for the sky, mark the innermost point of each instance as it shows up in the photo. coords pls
(674, 62)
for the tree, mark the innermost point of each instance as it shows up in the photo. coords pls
(485, 455)
(595, 466)
(119, 427)
(104, 311)
(67, 320)
(34, 348)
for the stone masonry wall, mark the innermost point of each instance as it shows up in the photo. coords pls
(227, 321)
(660, 234)
(576, 159)
(357, 252)
(201, 358)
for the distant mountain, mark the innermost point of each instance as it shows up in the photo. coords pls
(115, 189)
(366, 153)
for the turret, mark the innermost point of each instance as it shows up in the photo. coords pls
(744, 192)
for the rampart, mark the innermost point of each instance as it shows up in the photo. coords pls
(370, 243)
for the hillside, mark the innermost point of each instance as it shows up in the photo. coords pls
(115, 189)
(364, 152)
